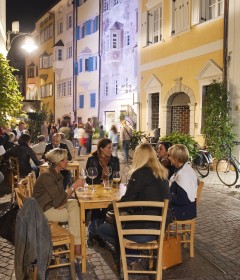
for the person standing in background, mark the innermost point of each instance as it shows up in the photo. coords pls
(82, 138)
(75, 135)
(125, 137)
(114, 137)
(101, 132)
(44, 131)
(89, 130)
(65, 129)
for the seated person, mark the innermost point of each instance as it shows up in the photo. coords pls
(162, 153)
(56, 139)
(53, 200)
(24, 154)
(40, 147)
(183, 184)
(101, 159)
(148, 182)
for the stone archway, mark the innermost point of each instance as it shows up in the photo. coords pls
(179, 109)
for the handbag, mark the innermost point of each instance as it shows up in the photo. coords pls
(172, 251)
(7, 223)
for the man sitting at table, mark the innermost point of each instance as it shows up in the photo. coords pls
(56, 143)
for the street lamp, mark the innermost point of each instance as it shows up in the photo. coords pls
(28, 45)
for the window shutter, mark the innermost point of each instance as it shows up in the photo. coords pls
(144, 27)
(75, 68)
(88, 27)
(95, 24)
(185, 14)
(92, 100)
(77, 33)
(81, 101)
(177, 14)
(195, 12)
(90, 64)
(80, 65)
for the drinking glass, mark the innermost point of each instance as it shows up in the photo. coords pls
(116, 177)
(107, 184)
(126, 170)
(108, 171)
(83, 176)
(92, 173)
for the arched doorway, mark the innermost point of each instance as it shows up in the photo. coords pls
(180, 113)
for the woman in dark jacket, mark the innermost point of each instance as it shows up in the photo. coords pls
(101, 159)
(148, 182)
(24, 153)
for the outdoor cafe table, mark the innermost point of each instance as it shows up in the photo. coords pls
(72, 166)
(100, 198)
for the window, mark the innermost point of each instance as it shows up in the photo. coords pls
(92, 100)
(115, 2)
(69, 88)
(30, 72)
(126, 38)
(106, 5)
(180, 16)
(59, 86)
(81, 101)
(69, 21)
(205, 10)
(64, 89)
(46, 90)
(106, 89)
(116, 87)
(58, 55)
(60, 26)
(69, 51)
(45, 61)
(152, 26)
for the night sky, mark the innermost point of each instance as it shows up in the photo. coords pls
(26, 12)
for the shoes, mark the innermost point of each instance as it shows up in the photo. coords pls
(78, 251)
(92, 239)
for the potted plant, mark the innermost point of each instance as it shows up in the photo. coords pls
(182, 138)
(217, 125)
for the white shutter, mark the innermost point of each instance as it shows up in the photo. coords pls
(195, 12)
(177, 14)
(144, 27)
(185, 14)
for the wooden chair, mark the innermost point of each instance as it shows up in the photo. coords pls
(60, 237)
(187, 228)
(32, 180)
(124, 217)
(15, 173)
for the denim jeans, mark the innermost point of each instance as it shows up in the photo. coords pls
(126, 144)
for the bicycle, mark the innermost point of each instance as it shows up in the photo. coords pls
(228, 167)
(202, 161)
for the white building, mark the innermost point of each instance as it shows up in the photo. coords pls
(119, 30)
(87, 64)
(63, 60)
(3, 28)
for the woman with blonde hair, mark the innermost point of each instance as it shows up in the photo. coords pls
(148, 182)
(54, 200)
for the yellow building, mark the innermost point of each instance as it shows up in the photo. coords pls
(39, 71)
(180, 54)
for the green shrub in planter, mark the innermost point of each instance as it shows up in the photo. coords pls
(181, 138)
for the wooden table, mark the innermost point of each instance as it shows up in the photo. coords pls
(94, 200)
(72, 166)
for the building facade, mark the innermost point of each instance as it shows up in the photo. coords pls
(3, 28)
(181, 53)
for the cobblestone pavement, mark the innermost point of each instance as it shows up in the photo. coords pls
(217, 243)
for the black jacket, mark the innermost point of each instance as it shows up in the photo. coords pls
(144, 186)
(93, 161)
(50, 147)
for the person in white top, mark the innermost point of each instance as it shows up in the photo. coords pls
(39, 148)
(114, 137)
(75, 136)
(82, 138)
(68, 143)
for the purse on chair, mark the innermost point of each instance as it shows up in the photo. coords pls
(172, 251)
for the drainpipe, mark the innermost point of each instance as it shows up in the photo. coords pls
(99, 56)
(225, 43)
(75, 9)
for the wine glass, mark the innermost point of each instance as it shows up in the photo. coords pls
(92, 173)
(83, 175)
(108, 171)
(126, 170)
(116, 177)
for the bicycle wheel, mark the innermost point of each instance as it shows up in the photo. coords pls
(203, 167)
(227, 172)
